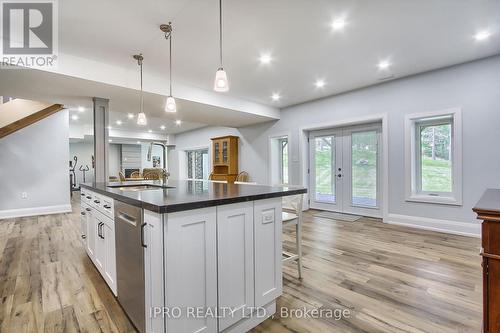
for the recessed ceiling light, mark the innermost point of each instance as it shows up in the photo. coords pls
(162, 127)
(118, 122)
(275, 97)
(320, 83)
(482, 35)
(110, 140)
(81, 109)
(384, 64)
(138, 142)
(338, 24)
(74, 117)
(130, 116)
(265, 58)
(109, 127)
(150, 131)
(178, 122)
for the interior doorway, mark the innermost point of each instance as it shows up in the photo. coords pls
(345, 169)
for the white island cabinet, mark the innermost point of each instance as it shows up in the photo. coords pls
(220, 264)
(215, 269)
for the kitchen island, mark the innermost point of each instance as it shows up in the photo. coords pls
(187, 256)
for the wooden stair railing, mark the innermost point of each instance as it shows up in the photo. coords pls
(20, 113)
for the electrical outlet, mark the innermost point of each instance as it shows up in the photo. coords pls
(24, 195)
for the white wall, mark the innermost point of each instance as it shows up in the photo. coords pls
(250, 157)
(114, 159)
(84, 152)
(473, 87)
(35, 160)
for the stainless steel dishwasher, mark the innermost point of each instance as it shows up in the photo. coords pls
(129, 233)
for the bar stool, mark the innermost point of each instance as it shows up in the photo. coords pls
(292, 215)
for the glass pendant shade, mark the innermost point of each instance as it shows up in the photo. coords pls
(170, 106)
(221, 84)
(141, 119)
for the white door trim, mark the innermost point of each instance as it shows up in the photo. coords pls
(304, 151)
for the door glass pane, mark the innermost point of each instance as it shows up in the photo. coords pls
(364, 168)
(435, 149)
(324, 157)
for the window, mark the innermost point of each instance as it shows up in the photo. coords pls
(279, 160)
(283, 160)
(433, 157)
(197, 164)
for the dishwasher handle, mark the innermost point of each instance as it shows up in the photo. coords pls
(142, 235)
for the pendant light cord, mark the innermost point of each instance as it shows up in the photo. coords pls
(142, 97)
(220, 32)
(170, 50)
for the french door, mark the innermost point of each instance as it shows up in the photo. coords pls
(344, 169)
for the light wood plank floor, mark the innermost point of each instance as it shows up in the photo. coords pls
(390, 278)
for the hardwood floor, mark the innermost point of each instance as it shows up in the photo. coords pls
(389, 278)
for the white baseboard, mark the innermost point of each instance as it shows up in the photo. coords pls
(23, 212)
(447, 226)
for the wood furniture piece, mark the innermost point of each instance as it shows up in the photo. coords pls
(488, 210)
(292, 215)
(243, 177)
(225, 158)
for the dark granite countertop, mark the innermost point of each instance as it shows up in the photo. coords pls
(179, 195)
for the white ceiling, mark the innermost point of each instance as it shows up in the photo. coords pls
(416, 36)
(75, 92)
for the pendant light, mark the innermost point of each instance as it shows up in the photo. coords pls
(141, 117)
(170, 105)
(221, 84)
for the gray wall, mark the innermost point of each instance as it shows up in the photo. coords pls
(474, 87)
(35, 160)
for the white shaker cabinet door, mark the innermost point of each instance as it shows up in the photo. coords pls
(91, 232)
(108, 239)
(268, 248)
(153, 272)
(191, 269)
(235, 262)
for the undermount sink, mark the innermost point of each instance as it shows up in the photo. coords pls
(139, 187)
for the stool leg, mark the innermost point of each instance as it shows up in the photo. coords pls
(298, 239)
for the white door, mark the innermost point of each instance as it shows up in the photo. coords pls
(153, 271)
(268, 248)
(345, 170)
(325, 168)
(91, 233)
(108, 238)
(99, 253)
(191, 273)
(235, 262)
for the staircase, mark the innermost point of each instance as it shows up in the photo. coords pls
(20, 113)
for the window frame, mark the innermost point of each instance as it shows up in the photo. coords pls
(413, 155)
(276, 167)
(192, 167)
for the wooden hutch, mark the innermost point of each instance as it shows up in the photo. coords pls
(488, 210)
(225, 158)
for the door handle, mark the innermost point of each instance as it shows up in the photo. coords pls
(127, 218)
(83, 236)
(89, 198)
(99, 230)
(142, 235)
(339, 175)
(88, 209)
(82, 213)
(96, 201)
(107, 206)
(102, 230)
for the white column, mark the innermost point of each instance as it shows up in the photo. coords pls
(101, 138)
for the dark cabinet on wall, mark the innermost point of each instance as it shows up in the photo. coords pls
(488, 210)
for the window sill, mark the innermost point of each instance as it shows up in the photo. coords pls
(434, 200)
